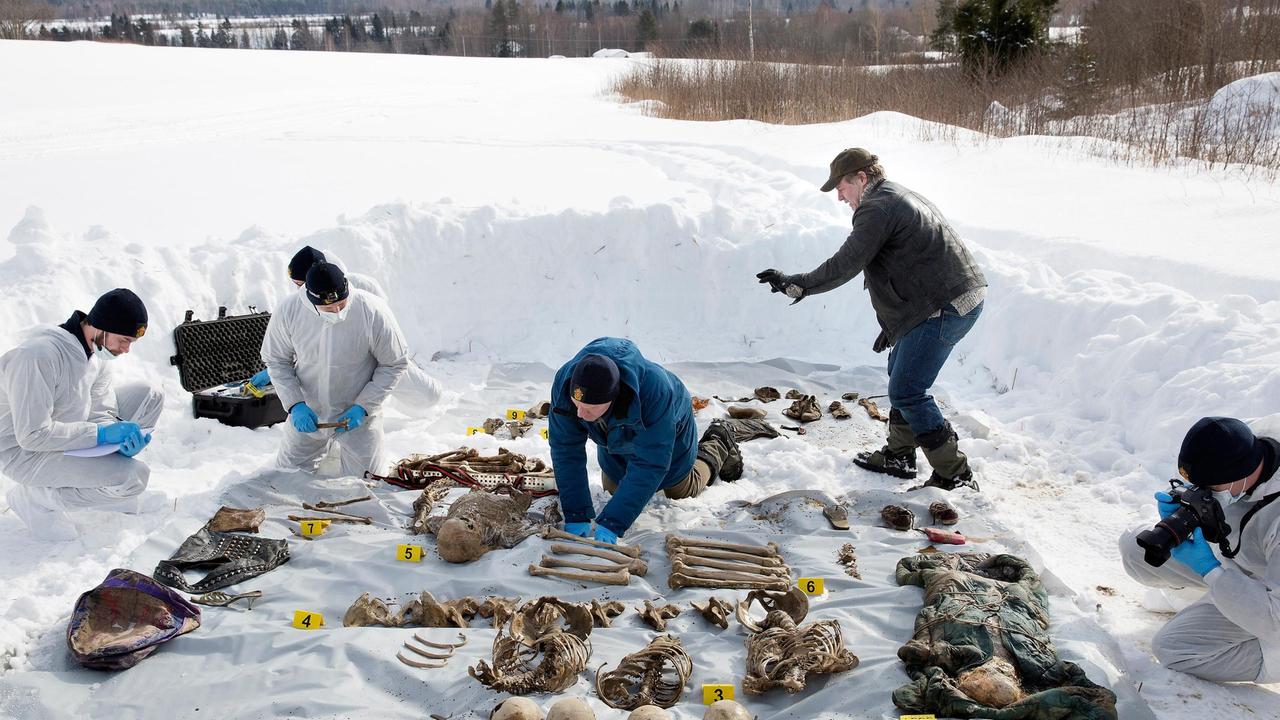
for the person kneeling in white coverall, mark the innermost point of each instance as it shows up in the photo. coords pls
(334, 355)
(1232, 633)
(55, 396)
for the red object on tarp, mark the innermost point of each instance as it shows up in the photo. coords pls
(943, 536)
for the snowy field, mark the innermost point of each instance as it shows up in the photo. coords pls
(513, 210)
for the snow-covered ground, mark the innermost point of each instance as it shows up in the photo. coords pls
(514, 210)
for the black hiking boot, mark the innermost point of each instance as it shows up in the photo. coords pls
(964, 479)
(886, 461)
(719, 450)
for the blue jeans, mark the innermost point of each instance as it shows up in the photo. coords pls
(914, 364)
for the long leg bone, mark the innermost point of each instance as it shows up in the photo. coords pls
(551, 533)
(554, 562)
(694, 560)
(711, 574)
(677, 581)
(675, 541)
(639, 567)
(619, 577)
(729, 555)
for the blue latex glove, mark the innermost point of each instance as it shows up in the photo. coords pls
(260, 379)
(129, 448)
(1196, 554)
(579, 529)
(605, 535)
(119, 432)
(1165, 504)
(355, 416)
(303, 418)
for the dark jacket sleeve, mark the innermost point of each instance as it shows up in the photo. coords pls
(870, 231)
(568, 440)
(645, 472)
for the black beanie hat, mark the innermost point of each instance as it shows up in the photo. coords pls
(120, 312)
(595, 380)
(1217, 451)
(326, 284)
(302, 262)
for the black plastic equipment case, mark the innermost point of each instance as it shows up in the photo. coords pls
(215, 358)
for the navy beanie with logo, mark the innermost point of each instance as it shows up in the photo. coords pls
(120, 312)
(1217, 451)
(326, 284)
(302, 262)
(595, 380)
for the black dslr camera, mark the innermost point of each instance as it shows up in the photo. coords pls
(1197, 509)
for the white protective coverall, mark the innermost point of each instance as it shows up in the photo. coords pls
(1232, 633)
(357, 361)
(52, 399)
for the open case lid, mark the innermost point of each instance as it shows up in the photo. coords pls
(221, 351)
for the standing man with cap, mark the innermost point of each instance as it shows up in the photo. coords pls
(416, 388)
(640, 417)
(1232, 633)
(927, 292)
(55, 396)
(334, 355)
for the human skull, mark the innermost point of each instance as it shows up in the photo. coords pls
(993, 683)
(459, 542)
(726, 710)
(517, 708)
(649, 712)
(571, 709)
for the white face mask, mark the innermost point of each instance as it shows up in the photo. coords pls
(1225, 498)
(333, 318)
(101, 350)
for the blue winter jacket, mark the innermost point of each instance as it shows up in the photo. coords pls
(651, 442)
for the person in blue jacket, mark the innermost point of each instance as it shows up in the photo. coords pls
(640, 417)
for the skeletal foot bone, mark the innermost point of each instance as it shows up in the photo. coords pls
(655, 675)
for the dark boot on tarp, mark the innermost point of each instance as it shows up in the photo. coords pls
(898, 456)
(950, 466)
(719, 450)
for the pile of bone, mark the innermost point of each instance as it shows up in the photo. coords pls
(608, 564)
(425, 611)
(783, 653)
(543, 648)
(470, 459)
(700, 563)
(519, 708)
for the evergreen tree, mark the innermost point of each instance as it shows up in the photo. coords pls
(621, 8)
(280, 41)
(244, 39)
(992, 35)
(202, 38)
(188, 40)
(646, 29)
(500, 29)
(378, 34)
(302, 38)
(703, 29)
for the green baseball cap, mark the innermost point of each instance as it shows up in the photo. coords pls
(848, 162)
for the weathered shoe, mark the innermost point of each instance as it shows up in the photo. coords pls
(838, 410)
(743, 412)
(943, 514)
(794, 394)
(886, 461)
(849, 396)
(768, 394)
(898, 517)
(804, 409)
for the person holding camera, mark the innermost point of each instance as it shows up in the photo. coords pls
(1232, 633)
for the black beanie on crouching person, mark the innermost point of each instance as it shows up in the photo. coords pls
(595, 380)
(1217, 451)
(326, 284)
(120, 312)
(302, 262)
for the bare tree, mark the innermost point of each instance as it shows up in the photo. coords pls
(17, 17)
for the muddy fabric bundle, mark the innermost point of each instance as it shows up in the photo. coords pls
(229, 519)
(981, 646)
(119, 623)
(229, 558)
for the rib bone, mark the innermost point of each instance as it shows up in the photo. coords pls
(551, 533)
(620, 577)
(675, 541)
(428, 655)
(639, 567)
(678, 580)
(415, 663)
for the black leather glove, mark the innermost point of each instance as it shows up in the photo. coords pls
(882, 342)
(774, 277)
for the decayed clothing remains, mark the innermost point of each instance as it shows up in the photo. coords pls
(981, 646)
(479, 522)
(229, 558)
